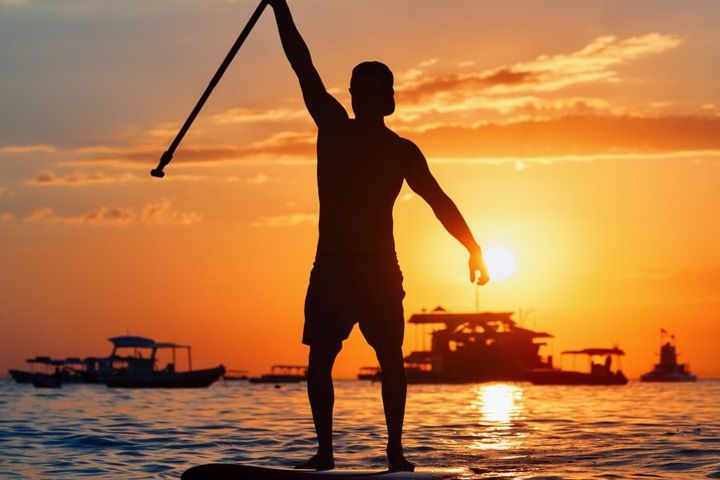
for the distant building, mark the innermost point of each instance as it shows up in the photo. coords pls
(475, 347)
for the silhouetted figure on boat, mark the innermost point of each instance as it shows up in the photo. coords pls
(356, 278)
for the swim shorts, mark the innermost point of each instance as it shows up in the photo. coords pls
(348, 288)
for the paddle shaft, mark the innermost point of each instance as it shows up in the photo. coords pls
(168, 154)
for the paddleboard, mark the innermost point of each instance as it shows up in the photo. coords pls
(224, 471)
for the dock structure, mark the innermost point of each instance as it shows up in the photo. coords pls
(475, 347)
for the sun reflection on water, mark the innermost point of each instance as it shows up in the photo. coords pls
(500, 406)
(499, 403)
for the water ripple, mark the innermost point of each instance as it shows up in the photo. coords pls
(501, 431)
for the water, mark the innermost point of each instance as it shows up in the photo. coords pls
(500, 430)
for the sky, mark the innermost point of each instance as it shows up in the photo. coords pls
(583, 137)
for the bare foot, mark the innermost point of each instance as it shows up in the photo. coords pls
(398, 463)
(318, 462)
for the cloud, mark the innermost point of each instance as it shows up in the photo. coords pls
(572, 135)
(78, 179)
(519, 105)
(543, 129)
(595, 62)
(514, 94)
(277, 146)
(290, 220)
(159, 213)
(591, 133)
(257, 115)
(18, 149)
(81, 179)
(523, 162)
(258, 179)
(283, 143)
(4, 217)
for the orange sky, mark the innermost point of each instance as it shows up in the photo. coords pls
(583, 138)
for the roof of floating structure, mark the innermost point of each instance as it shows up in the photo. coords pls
(490, 321)
(130, 341)
(595, 351)
(46, 361)
(170, 345)
(38, 360)
(451, 319)
(141, 342)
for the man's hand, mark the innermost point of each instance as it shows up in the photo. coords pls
(477, 265)
(275, 3)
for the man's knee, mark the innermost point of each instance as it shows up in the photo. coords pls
(322, 357)
(390, 357)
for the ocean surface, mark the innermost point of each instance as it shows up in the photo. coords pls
(500, 430)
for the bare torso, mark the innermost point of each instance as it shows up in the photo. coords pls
(360, 172)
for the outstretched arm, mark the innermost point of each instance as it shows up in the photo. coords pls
(421, 180)
(323, 107)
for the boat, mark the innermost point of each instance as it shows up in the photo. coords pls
(475, 347)
(55, 371)
(235, 375)
(283, 374)
(369, 373)
(24, 376)
(600, 372)
(668, 370)
(136, 370)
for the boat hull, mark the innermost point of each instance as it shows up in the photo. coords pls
(42, 380)
(561, 377)
(278, 379)
(22, 377)
(668, 377)
(192, 379)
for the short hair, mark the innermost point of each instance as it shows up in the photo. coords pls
(380, 71)
(376, 69)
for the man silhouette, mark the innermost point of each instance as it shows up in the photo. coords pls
(356, 278)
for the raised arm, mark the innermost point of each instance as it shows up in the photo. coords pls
(323, 107)
(421, 180)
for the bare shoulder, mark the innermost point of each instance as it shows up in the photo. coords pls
(409, 151)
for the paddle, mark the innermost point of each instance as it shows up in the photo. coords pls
(168, 154)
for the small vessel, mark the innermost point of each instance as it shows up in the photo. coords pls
(24, 376)
(369, 373)
(600, 372)
(668, 370)
(139, 371)
(133, 370)
(235, 375)
(283, 374)
(55, 372)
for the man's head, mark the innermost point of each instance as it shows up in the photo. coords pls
(371, 87)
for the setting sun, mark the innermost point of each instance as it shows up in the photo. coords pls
(500, 262)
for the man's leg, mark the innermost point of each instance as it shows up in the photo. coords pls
(322, 398)
(394, 392)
